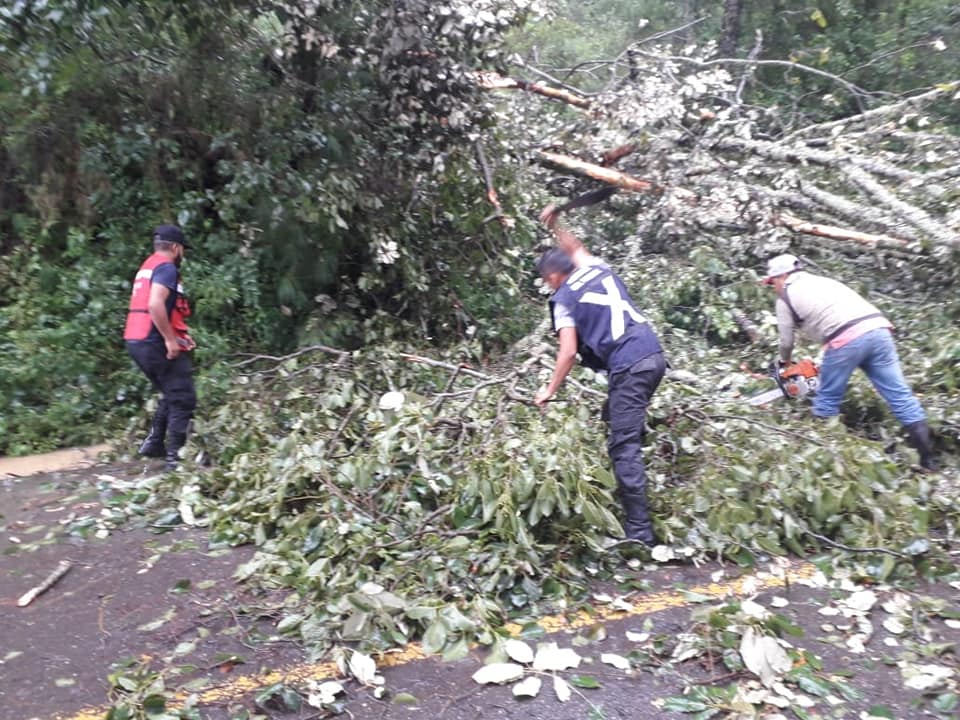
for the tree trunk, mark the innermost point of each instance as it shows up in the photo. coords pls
(730, 28)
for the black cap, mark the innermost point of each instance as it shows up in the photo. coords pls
(170, 233)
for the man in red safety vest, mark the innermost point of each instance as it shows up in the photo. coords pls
(159, 342)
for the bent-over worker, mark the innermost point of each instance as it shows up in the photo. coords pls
(855, 334)
(594, 316)
(159, 342)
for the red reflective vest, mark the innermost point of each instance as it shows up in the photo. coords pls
(138, 316)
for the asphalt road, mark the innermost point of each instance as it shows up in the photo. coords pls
(144, 601)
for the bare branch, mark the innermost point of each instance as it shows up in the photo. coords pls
(830, 231)
(668, 33)
(855, 90)
(556, 81)
(492, 196)
(912, 214)
(881, 112)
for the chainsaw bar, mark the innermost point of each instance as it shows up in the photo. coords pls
(766, 397)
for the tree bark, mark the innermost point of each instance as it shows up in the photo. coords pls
(730, 28)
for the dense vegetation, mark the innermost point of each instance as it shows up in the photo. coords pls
(318, 153)
(322, 154)
(364, 216)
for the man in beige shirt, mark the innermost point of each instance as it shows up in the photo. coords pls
(854, 334)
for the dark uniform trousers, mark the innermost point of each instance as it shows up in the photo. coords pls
(174, 380)
(629, 393)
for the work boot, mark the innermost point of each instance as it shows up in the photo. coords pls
(175, 442)
(919, 433)
(637, 524)
(152, 445)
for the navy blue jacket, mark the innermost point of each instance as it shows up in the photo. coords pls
(611, 334)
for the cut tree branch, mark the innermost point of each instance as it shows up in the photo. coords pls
(853, 212)
(836, 233)
(52, 579)
(493, 81)
(598, 172)
(556, 81)
(492, 196)
(881, 112)
(912, 214)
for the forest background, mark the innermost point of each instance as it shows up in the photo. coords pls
(361, 182)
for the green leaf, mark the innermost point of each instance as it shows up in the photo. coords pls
(946, 702)
(780, 625)
(586, 682)
(684, 705)
(435, 637)
(289, 622)
(456, 651)
(154, 704)
(181, 586)
(404, 698)
(291, 699)
(812, 685)
(919, 546)
(881, 711)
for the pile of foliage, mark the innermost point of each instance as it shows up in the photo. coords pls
(408, 496)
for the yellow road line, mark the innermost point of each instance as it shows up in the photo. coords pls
(646, 605)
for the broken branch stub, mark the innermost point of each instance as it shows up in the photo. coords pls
(52, 579)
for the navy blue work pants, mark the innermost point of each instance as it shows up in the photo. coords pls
(629, 396)
(174, 380)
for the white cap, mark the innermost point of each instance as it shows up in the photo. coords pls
(392, 400)
(781, 265)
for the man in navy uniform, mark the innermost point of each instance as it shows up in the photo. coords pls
(159, 342)
(594, 317)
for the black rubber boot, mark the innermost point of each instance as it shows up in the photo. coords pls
(175, 442)
(919, 433)
(638, 525)
(152, 445)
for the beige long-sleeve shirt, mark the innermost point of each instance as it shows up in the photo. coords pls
(823, 306)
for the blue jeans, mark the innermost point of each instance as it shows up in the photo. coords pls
(876, 354)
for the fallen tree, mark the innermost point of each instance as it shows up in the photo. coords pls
(406, 494)
(887, 177)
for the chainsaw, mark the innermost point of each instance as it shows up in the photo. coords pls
(793, 382)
